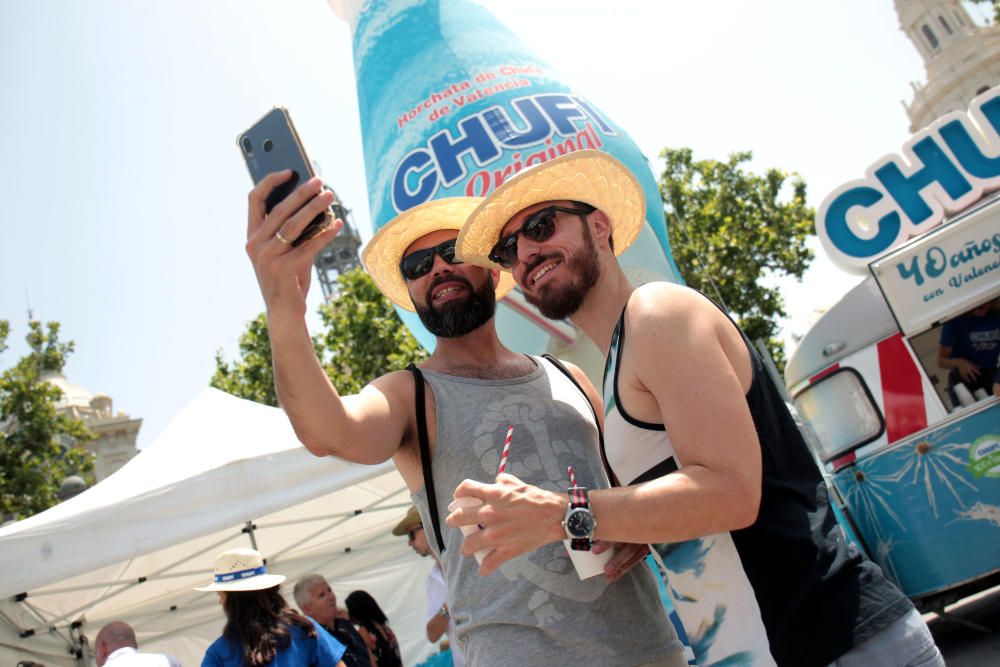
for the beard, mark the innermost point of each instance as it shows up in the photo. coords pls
(557, 301)
(458, 317)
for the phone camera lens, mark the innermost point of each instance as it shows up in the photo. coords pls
(268, 145)
(247, 146)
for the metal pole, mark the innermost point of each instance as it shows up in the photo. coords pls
(248, 529)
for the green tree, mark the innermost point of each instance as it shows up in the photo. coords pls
(252, 375)
(362, 338)
(731, 229)
(39, 447)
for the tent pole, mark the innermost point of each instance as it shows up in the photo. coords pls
(248, 529)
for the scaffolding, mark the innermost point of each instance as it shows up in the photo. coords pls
(340, 255)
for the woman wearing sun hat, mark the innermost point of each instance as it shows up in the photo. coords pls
(261, 629)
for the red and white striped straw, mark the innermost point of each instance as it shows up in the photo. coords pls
(506, 450)
(572, 477)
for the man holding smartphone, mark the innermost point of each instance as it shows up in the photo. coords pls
(534, 610)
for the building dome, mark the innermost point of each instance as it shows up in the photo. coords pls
(115, 434)
(73, 395)
(71, 486)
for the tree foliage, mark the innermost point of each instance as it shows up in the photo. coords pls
(252, 375)
(731, 228)
(362, 338)
(39, 447)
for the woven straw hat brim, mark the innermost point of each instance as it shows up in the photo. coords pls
(411, 519)
(384, 251)
(589, 176)
(258, 583)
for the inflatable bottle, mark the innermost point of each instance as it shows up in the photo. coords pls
(452, 103)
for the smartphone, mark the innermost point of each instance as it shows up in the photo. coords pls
(272, 144)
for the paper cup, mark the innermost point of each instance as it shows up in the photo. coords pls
(468, 501)
(980, 394)
(965, 397)
(587, 563)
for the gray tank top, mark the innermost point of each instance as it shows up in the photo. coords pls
(534, 610)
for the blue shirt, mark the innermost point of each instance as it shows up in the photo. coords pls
(975, 338)
(323, 651)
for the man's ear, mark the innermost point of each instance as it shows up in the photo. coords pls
(495, 277)
(600, 227)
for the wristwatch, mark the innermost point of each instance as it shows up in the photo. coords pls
(579, 522)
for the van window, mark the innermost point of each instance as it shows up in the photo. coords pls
(841, 411)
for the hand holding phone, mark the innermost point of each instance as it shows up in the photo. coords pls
(271, 145)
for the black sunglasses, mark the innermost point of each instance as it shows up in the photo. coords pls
(419, 262)
(538, 227)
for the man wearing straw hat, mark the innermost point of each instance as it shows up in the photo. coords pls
(714, 467)
(438, 617)
(535, 610)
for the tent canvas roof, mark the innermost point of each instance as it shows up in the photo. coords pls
(226, 472)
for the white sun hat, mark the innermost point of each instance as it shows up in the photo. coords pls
(589, 176)
(385, 250)
(241, 570)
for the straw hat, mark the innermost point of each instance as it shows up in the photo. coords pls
(408, 522)
(385, 250)
(588, 176)
(241, 570)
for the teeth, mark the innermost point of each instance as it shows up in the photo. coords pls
(446, 291)
(542, 271)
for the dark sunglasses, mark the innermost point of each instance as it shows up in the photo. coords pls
(539, 227)
(419, 263)
(411, 534)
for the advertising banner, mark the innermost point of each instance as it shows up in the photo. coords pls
(947, 271)
(452, 104)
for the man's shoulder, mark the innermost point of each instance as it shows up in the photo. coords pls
(664, 303)
(394, 385)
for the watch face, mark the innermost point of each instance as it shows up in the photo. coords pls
(580, 523)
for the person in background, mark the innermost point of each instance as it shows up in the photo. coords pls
(317, 600)
(372, 622)
(968, 350)
(438, 618)
(261, 629)
(116, 646)
(996, 380)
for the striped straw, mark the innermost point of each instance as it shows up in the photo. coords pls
(572, 477)
(506, 450)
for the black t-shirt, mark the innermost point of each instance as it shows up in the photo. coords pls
(357, 653)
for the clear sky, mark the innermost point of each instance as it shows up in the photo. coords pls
(124, 194)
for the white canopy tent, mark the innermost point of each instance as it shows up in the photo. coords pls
(226, 472)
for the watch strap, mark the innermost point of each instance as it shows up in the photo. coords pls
(578, 500)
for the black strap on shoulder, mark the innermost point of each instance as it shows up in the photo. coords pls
(597, 422)
(425, 453)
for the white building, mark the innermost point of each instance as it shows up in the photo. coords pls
(961, 58)
(116, 434)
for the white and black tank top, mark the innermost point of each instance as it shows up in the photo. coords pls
(787, 590)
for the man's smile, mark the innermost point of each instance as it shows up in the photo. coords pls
(447, 290)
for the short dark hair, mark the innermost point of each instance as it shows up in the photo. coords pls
(590, 209)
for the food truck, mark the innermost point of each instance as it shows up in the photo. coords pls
(912, 458)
